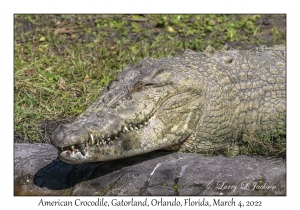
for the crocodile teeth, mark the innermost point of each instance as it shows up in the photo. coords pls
(92, 139)
(115, 134)
(125, 129)
(82, 149)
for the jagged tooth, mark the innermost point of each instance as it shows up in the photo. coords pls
(83, 152)
(145, 123)
(140, 126)
(125, 129)
(82, 149)
(72, 147)
(114, 132)
(119, 129)
(92, 139)
(135, 128)
(116, 138)
(131, 128)
(108, 139)
(98, 142)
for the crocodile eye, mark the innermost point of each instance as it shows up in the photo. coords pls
(138, 87)
(149, 84)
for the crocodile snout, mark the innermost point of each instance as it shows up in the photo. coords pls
(68, 134)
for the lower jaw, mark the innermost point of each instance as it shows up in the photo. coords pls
(72, 157)
(98, 154)
(93, 153)
(115, 150)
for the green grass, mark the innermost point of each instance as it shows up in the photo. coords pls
(61, 62)
(267, 143)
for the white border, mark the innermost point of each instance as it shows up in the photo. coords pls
(8, 8)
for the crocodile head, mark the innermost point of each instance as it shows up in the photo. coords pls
(146, 108)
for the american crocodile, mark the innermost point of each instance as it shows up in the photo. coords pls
(196, 102)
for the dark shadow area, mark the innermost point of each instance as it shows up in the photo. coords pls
(38, 172)
(59, 175)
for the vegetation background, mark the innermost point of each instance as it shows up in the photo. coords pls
(61, 62)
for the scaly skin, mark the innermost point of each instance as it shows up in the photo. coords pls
(197, 102)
